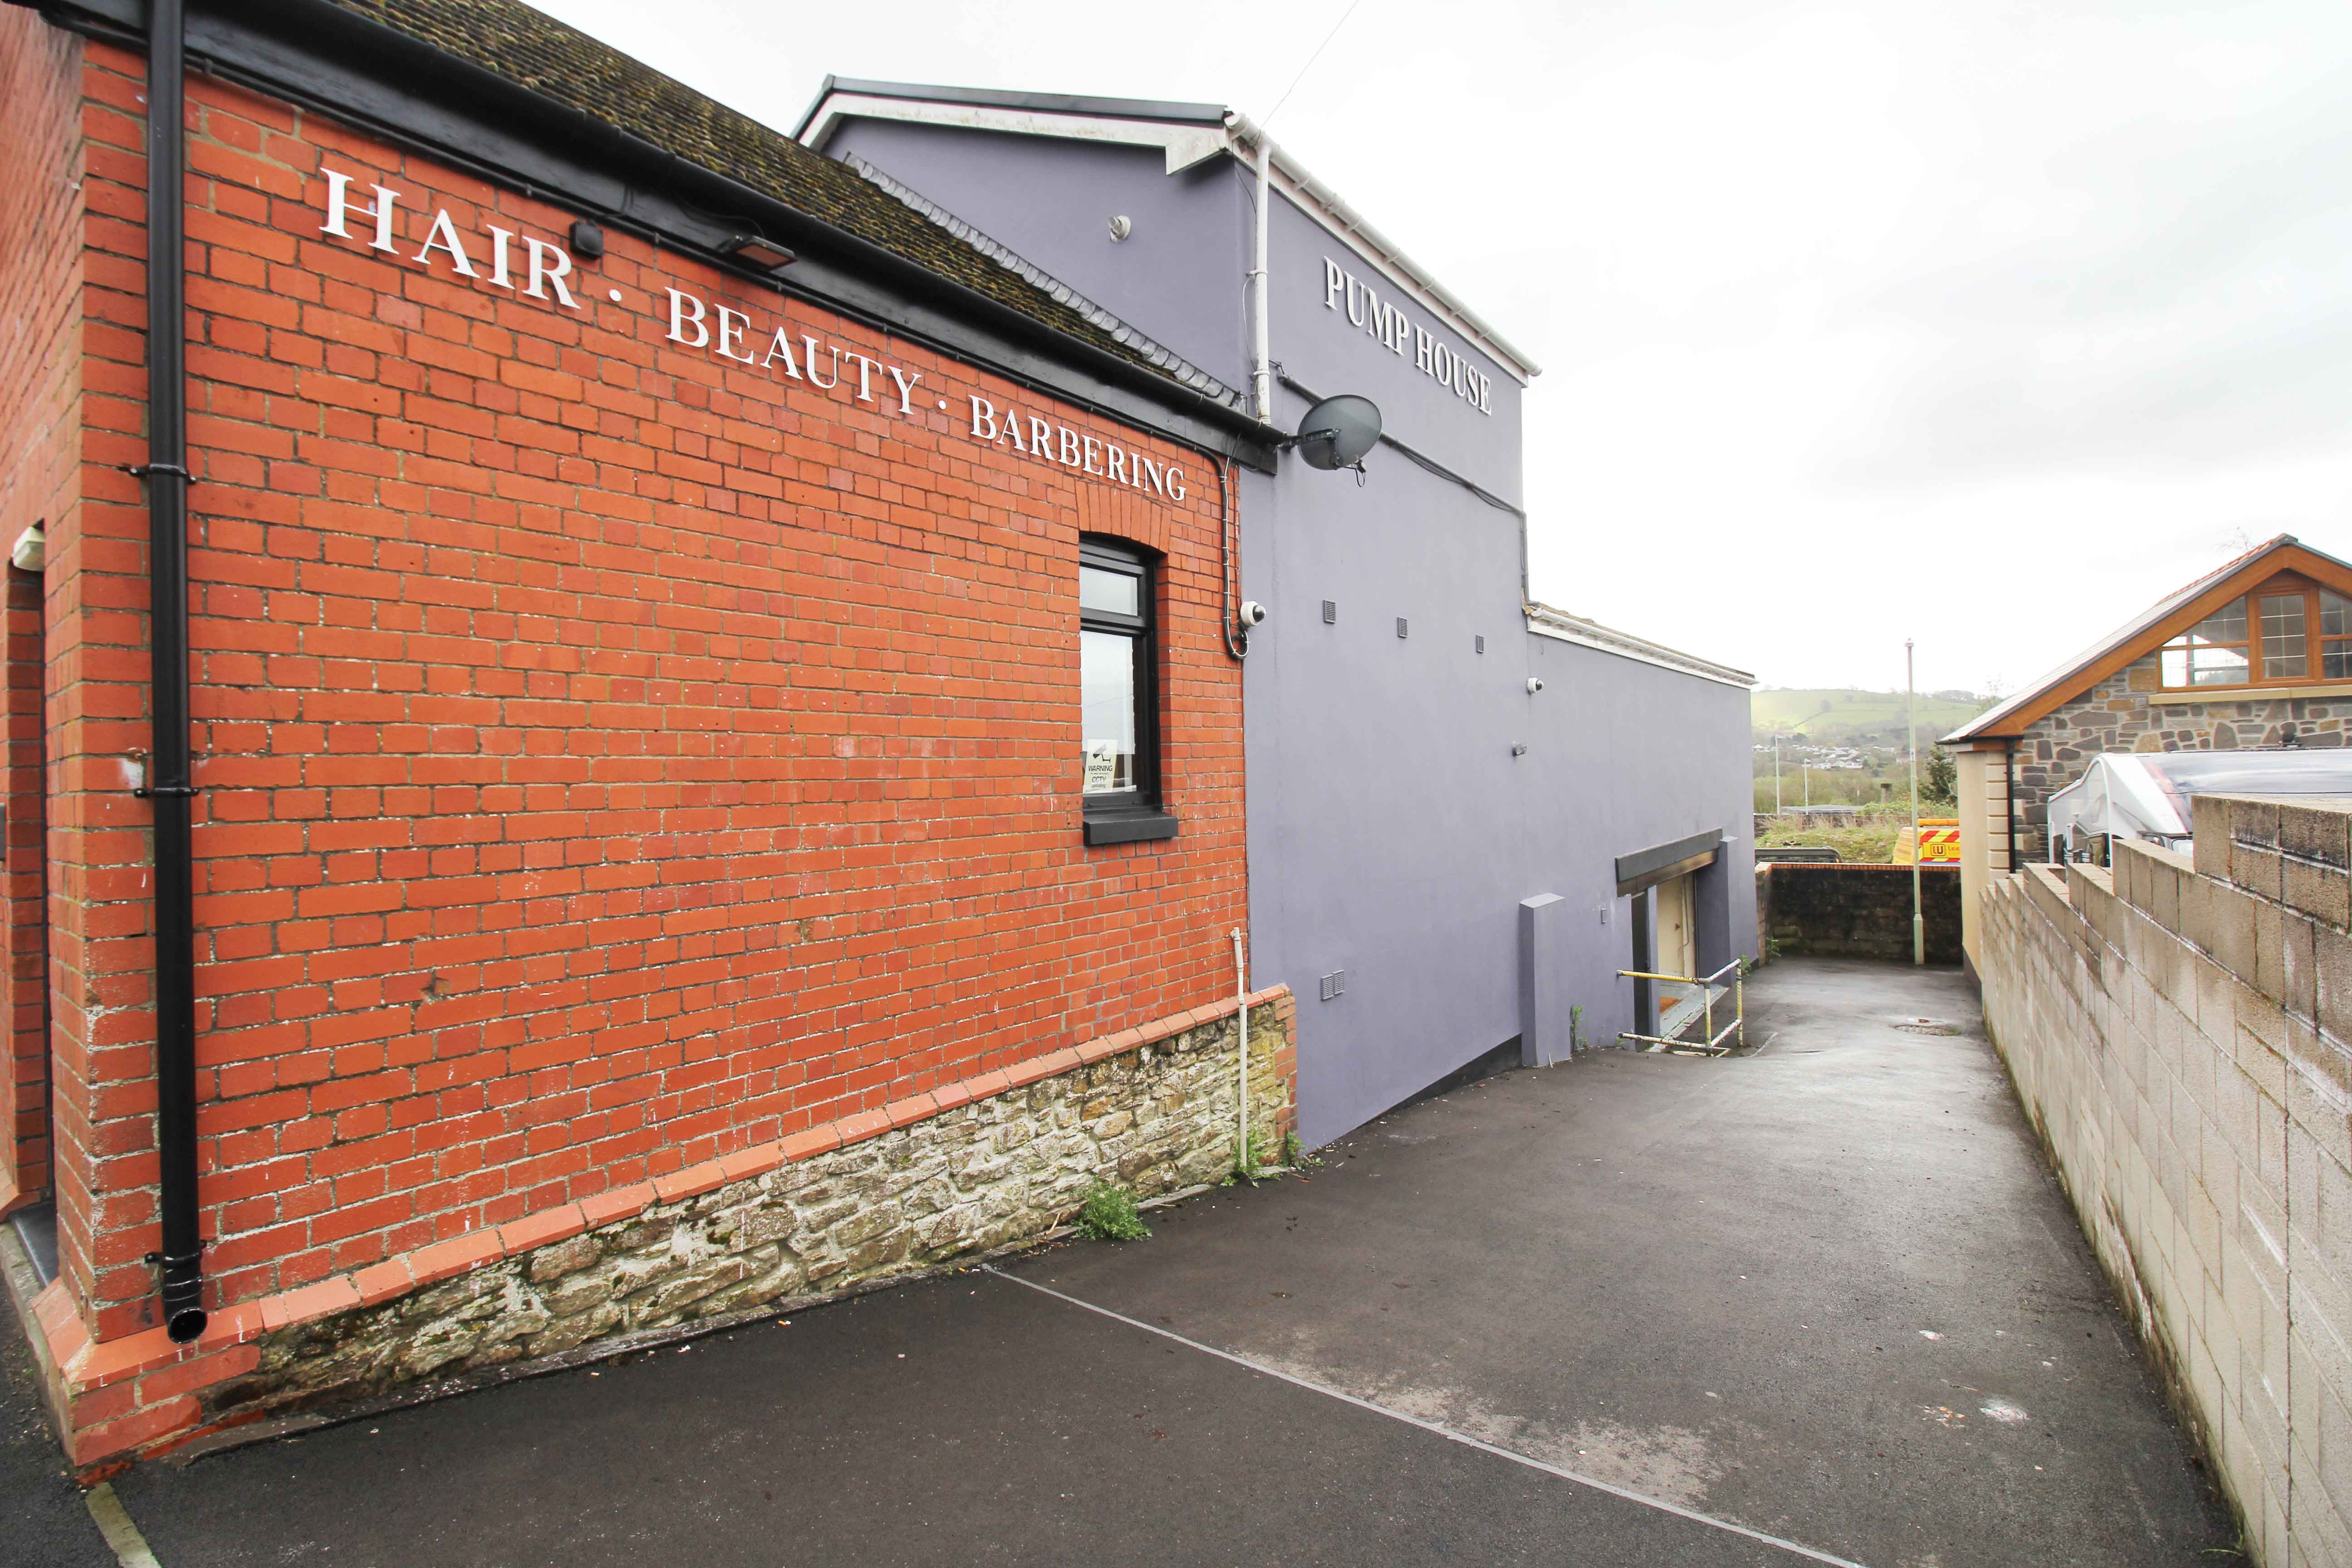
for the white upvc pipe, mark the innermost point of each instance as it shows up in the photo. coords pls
(1911, 713)
(1261, 332)
(1352, 227)
(1240, 1018)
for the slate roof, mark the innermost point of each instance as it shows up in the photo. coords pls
(570, 68)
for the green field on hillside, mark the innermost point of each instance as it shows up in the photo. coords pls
(1847, 717)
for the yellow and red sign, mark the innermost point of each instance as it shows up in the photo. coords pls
(1940, 842)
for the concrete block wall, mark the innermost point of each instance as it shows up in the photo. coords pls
(2181, 1032)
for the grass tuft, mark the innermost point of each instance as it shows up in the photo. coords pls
(1108, 1214)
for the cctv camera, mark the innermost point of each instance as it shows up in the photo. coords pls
(1535, 683)
(1253, 613)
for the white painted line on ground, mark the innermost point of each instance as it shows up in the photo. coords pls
(1448, 1433)
(114, 1523)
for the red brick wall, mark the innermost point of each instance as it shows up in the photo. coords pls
(608, 761)
(40, 411)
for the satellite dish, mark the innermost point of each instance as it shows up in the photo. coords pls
(1337, 432)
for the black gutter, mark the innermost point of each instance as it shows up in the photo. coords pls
(169, 789)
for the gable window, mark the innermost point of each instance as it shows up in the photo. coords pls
(2210, 652)
(2335, 636)
(1118, 688)
(2266, 639)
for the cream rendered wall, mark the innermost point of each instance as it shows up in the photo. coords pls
(1983, 777)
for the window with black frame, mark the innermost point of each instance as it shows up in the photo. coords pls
(1119, 697)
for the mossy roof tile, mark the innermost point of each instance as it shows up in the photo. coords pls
(570, 68)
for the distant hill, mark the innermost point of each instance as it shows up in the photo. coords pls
(1848, 717)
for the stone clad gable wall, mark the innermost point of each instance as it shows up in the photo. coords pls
(2181, 1036)
(2116, 716)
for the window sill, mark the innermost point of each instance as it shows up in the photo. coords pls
(2247, 693)
(1130, 828)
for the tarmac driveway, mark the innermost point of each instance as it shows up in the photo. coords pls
(1818, 1304)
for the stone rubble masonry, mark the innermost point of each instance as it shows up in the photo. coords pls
(2180, 1032)
(1857, 910)
(974, 1167)
(611, 756)
(2117, 715)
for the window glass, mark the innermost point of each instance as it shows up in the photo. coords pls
(1107, 683)
(2212, 652)
(2336, 636)
(2204, 667)
(2284, 656)
(2226, 625)
(1113, 591)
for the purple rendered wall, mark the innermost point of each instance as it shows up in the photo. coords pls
(1173, 278)
(1391, 831)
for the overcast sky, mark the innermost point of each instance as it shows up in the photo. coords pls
(1982, 323)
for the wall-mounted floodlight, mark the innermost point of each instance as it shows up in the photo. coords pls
(765, 254)
(1337, 432)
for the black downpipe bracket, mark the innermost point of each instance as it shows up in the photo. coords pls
(169, 789)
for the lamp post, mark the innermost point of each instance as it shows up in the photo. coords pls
(1911, 710)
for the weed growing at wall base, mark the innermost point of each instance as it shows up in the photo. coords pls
(1108, 1215)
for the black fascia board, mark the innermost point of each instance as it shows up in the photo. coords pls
(1661, 862)
(1035, 102)
(410, 93)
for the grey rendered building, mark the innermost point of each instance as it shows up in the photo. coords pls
(1443, 860)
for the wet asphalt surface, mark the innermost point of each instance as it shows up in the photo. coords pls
(1826, 1291)
(42, 1517)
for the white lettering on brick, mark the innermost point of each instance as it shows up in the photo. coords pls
(339, 207)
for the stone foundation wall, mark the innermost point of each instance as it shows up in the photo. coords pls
(1858, 912)
(973, 1168)
(2181, 1037)
(2117, 715)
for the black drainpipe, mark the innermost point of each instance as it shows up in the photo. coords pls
(168, 788)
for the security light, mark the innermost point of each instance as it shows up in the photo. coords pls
(761, 253)
(1337, 432)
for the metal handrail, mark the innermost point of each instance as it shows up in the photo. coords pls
(1714, 1044)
